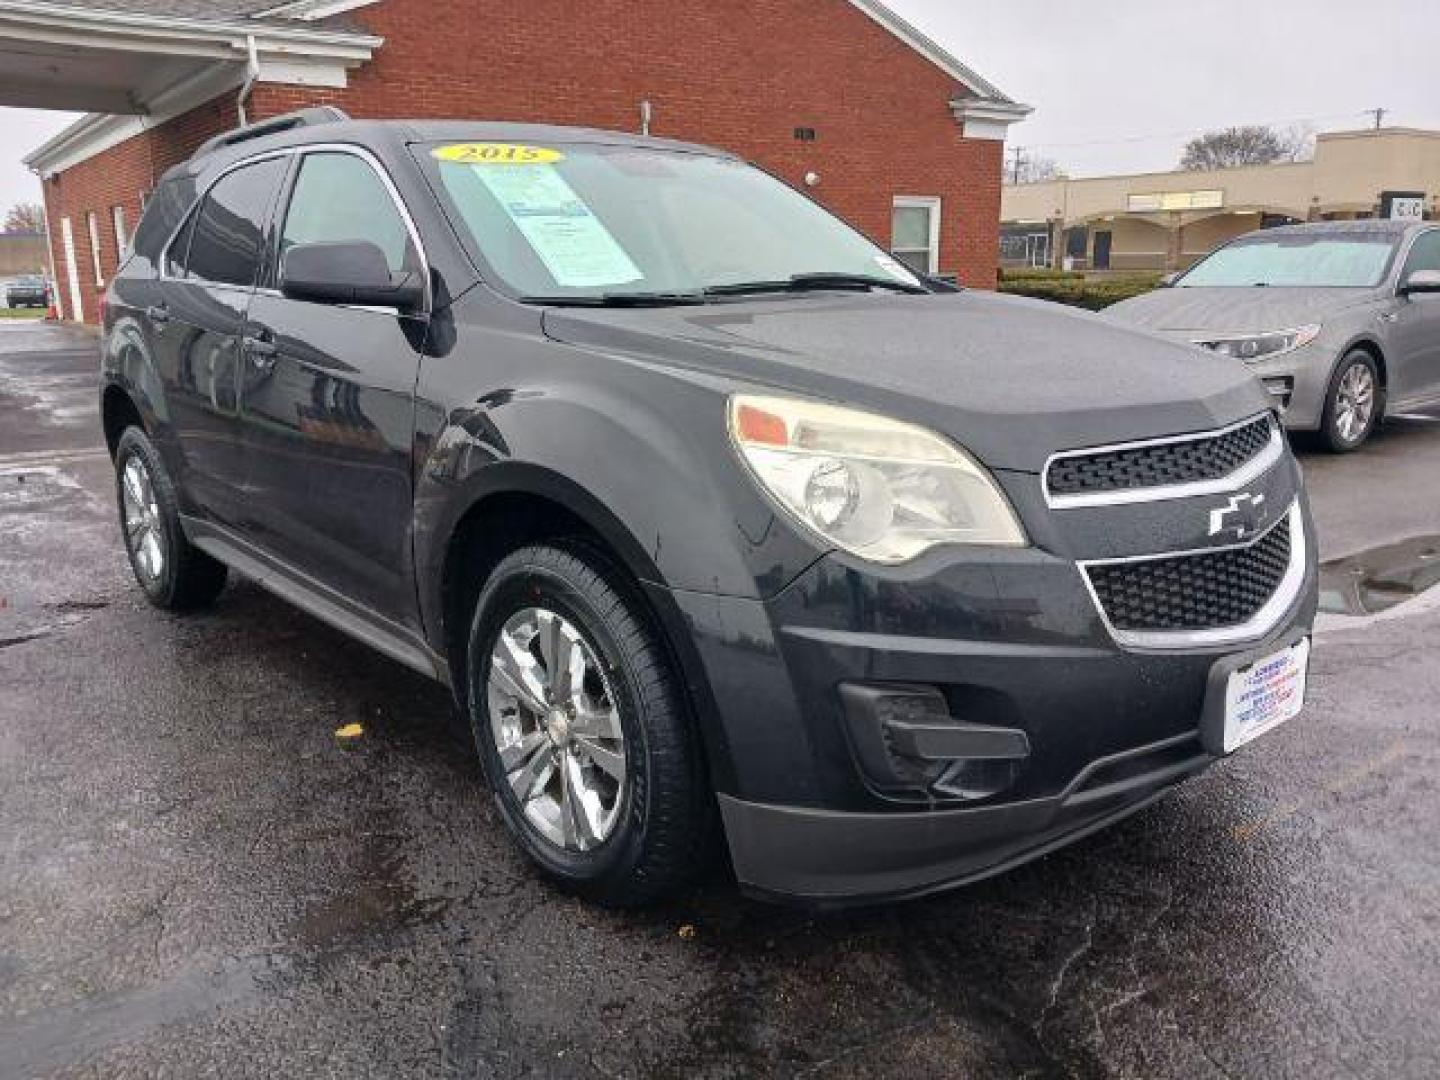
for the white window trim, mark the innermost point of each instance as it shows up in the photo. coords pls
(92, 226)
(932, 203)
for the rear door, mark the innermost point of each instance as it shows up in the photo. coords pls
(328, 396)
(1415, 333)
(208, 274)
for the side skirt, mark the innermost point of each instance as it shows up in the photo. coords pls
(314, 598)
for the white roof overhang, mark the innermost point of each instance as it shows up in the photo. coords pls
(132, 70)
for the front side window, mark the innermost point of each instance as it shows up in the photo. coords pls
(596, 222)
(228, 231)
(915, 233)
(1424, 254)
(339, 198)
(1297, 260)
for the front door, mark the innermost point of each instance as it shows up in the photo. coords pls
(328, 400)
(1103, 243)
(1415, 332)
(208, 276)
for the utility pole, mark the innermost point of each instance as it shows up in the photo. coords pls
(1379, 115)
(1019, 153)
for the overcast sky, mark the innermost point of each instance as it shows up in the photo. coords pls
(1119, 85)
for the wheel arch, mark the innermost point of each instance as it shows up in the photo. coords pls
(118, 411)
(1369, 344)
(518, 504)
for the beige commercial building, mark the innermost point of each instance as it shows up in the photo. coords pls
(1166, 221)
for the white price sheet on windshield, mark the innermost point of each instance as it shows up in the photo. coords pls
(569, 239)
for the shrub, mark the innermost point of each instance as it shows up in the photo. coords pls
(1074, 289)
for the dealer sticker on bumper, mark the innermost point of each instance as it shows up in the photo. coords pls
(1265, 695)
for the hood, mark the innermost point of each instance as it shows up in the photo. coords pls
(1239, 310)
(1012, 380)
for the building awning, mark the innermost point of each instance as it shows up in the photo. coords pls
(135, 63)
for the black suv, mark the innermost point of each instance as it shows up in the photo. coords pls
(715, 516)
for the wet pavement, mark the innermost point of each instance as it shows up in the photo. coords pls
(197, 877)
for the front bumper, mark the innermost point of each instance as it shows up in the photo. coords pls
(1013, 641)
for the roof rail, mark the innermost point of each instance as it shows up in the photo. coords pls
(320, 114)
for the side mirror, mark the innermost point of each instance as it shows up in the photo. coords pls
(1421, 281)
(347, 273)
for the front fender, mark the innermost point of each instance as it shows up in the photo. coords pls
(640, 455)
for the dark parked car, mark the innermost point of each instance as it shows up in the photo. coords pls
(27, 291)
(715, 519)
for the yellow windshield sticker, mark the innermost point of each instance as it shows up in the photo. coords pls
(490, 153)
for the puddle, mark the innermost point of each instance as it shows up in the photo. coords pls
(1379, 579)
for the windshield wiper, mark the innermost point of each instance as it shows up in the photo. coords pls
(620, 299)
(816, 283)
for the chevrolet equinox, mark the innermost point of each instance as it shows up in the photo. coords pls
(719, 521)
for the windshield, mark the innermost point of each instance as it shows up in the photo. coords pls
(1319, 260)
(609, 222)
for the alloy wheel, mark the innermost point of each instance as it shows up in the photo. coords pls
(1355, 403)
(140, 518)
(557, 729)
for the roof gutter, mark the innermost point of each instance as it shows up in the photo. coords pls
(55, 17)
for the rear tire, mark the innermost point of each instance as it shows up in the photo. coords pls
(1353, 403)
(173, 573)
(593, 761)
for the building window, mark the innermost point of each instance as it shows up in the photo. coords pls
(94, 227)
(122, 240)
(915, 232)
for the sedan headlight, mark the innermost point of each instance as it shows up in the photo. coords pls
(1262, 346)
(881, 489)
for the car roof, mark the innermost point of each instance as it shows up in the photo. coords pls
(372, 133)
(1364, 227)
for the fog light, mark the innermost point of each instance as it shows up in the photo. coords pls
(908, 744)
(1281, 388)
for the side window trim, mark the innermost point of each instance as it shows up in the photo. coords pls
(282, 212)
(1424, 236)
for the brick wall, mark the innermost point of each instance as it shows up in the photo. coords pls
(741, 75)
(120, 176)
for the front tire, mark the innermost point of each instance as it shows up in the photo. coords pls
(173, 573)
(1352, 403)
(583, 729)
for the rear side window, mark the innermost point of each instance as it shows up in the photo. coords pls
(163, 212)
(340, 198)
(227, 234)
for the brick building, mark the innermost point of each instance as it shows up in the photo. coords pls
(839, 96)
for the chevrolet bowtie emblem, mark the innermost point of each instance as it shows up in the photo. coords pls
(1241, 518)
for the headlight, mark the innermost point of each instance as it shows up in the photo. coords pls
(1252, 347)
(878, 488)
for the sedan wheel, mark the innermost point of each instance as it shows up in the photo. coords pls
(1356, 403)
(1353, 406)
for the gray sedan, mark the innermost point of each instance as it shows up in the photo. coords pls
(1341, 320)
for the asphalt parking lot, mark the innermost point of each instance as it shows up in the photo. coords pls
(198, 878)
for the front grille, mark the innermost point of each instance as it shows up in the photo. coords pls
(1165, 464)
(1210, 590)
